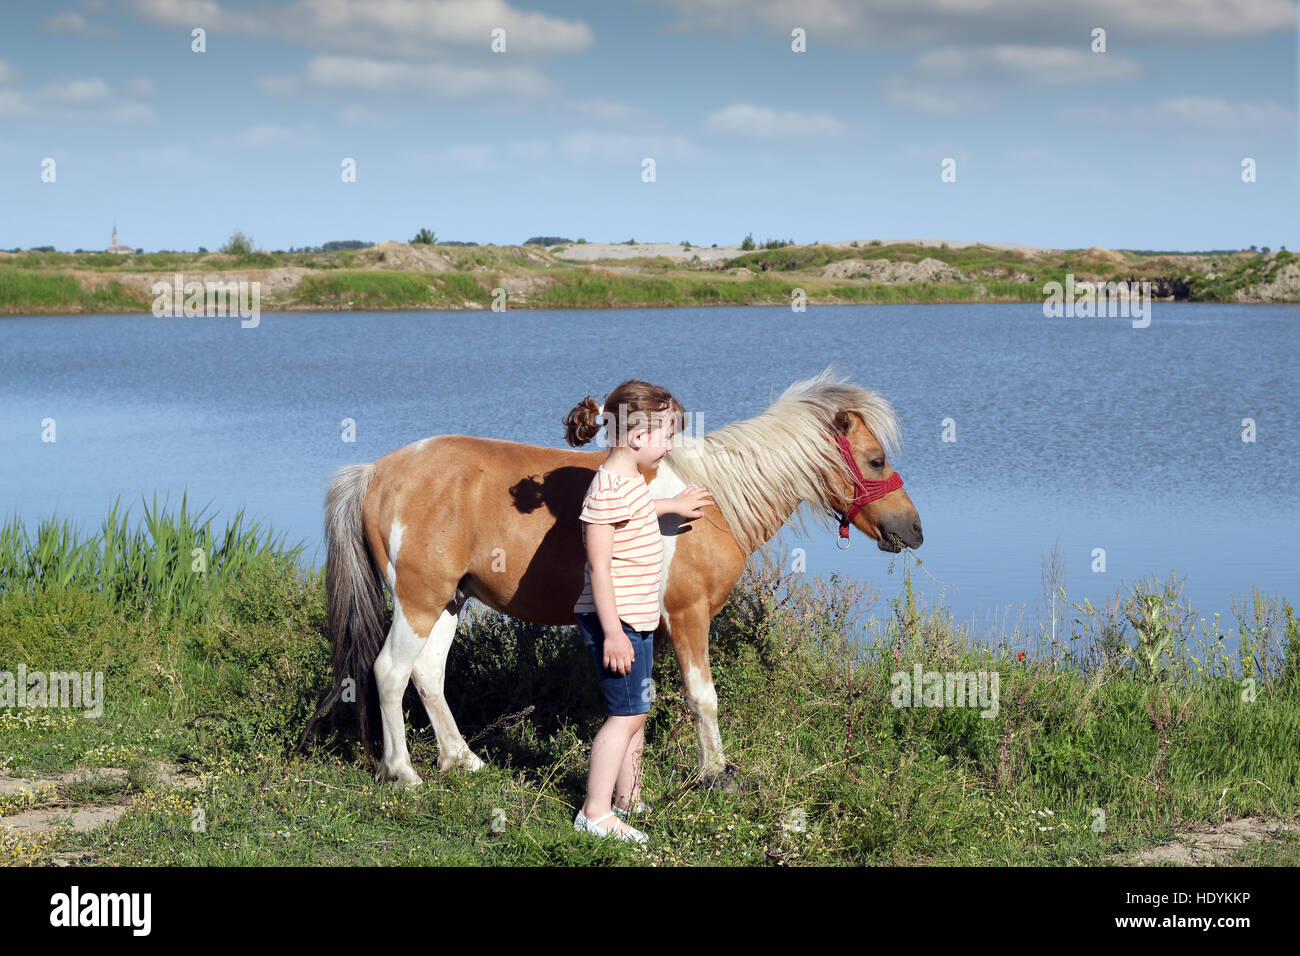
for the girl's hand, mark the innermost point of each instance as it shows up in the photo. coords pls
(618, 653)
(690, 500)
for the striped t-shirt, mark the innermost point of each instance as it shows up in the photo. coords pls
(638, 555)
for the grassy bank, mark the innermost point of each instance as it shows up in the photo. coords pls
(1134, 717)
(398, 276)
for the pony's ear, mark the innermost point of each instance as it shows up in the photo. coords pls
(842, 422)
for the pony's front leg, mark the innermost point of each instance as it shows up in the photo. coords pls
(690, 636)
(392, 673)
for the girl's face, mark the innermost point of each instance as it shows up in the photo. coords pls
(649, 445)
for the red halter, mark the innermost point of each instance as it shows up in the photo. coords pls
(864, 490)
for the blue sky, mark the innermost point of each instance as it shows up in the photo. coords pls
(1137, 147)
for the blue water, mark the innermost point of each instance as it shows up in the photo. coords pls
(1087, 429)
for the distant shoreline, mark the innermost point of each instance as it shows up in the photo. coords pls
(394, 276)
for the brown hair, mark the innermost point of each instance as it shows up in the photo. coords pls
(633, 398)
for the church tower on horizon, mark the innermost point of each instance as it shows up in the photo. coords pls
(116, 247)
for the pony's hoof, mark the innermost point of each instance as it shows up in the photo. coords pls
(402, 777)
(728, 778)
(466, 760)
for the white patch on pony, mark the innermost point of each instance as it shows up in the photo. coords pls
(429, 675)
(666, 483)
(394, 545)
(392, 671)
(421, 443)
(702, 699)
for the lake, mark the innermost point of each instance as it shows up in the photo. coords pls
(1086, 429)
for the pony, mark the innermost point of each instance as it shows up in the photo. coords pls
(451, 517)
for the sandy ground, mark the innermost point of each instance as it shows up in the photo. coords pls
(56, 813)
(594, 251)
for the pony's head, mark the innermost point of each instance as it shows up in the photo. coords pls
(870, 497)
(804, 449)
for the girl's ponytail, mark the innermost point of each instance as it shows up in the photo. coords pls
(583, 423)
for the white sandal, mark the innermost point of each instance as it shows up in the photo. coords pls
(639, 808)
(582, 824)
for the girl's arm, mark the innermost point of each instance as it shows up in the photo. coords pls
(600, 550)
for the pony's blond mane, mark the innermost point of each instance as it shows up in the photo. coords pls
(761, 470)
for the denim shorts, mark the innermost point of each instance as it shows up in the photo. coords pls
(625, 694)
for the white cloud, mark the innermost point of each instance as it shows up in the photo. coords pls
(1012, 63)
(578, 147)
(962, 79)
(585, 145)
(401, 27)
(433, 79)
(891, 22)
(142, 86)
(604, 109)
(200, 13)
(266, 134)
(12, 103)
(70, 22)
(1213, 115)
(8, 74)
(761, 122)
(87, 99)
(930, 97)
(74, 91)
(279, 84)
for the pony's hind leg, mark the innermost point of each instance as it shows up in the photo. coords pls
(392, 672)
(429, 675)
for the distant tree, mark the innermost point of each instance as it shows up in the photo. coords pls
(748, 244)
(1253, 249)
(41, 249)
(139, 252)
(203, 250)
(547, 241)
(337, 244)
(1264, 250)
(424, 238)
(238, 244)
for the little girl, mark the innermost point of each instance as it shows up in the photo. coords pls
(618, 610)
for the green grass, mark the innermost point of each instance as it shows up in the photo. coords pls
(171, 563)
(1134, 711)
(1250, 271)
(22, 291)
(361, 280)
(361, 290)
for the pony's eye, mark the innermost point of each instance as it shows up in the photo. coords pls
(878, 463)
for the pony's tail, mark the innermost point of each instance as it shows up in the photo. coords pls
(354, 595)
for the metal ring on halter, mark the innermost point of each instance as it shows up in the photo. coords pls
(842, 543)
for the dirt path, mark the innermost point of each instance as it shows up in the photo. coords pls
(1210, 846)
(54, 810)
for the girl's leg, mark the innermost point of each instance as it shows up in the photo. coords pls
(608, 751)
(628, 789)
